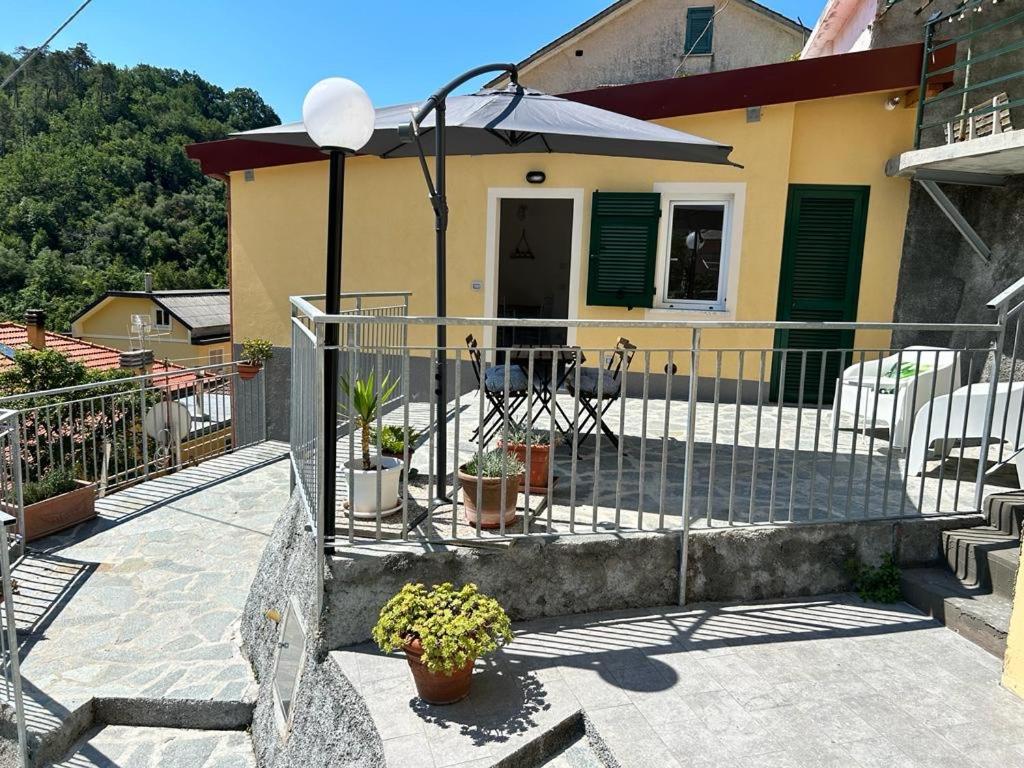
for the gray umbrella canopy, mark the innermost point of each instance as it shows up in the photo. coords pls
(518, 120)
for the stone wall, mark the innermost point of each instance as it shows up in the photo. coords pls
(330, 726)
(551, 577)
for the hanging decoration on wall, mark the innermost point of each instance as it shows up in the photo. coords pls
(522, 249)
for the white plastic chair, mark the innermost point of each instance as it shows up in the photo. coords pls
(966, 419)
(937, 373)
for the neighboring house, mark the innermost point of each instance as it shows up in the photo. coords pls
(192, 327)
(16, 336)
(804, 131)
(634, 41)
(964, 225)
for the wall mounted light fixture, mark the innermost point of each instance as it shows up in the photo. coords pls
(536, 177)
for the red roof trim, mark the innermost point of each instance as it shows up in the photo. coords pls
(217, 157)
(882, 69)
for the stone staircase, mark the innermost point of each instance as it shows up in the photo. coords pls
(972, 592)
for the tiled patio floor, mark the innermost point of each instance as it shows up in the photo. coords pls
(805, 477)
(806, 683)
(144, 601)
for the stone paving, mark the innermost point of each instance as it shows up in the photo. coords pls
(116, 746)
(780, 466)
(805, 683)
(144, 601)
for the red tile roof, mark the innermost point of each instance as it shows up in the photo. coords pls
(93, 356)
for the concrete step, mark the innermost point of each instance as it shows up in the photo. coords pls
(969, 554)
(1003, 565)
(1005, 512)
(980, 616)
(120, 745)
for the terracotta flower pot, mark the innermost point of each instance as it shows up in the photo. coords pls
(248, 371)
(60, 512)
(491, 511)
(435, 687)
(540, 460)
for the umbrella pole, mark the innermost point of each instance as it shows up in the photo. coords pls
(441, 231)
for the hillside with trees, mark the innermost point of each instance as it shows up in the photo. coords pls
(95, 186)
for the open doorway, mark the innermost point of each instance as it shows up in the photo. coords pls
(534, 267)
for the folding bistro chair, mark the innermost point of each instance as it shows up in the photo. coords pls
(606, 381)
(492, 380)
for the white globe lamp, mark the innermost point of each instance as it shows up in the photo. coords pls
(338, 114)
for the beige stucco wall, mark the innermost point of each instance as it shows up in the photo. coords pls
(108, 323)
(645, 41)
(278, 220)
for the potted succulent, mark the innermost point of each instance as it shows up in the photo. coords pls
(57, 501)
(487, 475)
(364, 398)
(394, 440)
(442, 630)
(255, 352)
(539, 441)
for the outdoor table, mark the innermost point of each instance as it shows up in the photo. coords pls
(565, 358)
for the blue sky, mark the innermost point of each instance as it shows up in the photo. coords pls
(399, 50)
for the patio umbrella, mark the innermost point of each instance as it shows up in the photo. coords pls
(513, 120)
(517, 120)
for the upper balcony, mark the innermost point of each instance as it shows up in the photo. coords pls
(970, 104)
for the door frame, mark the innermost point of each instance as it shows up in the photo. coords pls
(491, 261)
(785, 293)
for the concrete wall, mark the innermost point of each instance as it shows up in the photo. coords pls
(645, 41)
(537, 577)
(941, 278)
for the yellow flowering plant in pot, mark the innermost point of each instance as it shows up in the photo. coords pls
(443, 631)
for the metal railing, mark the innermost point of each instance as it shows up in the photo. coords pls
(13, 707)
(980, 68)
(118, 432)
(762, 434)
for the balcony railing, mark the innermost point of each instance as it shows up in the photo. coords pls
(763, 434)
(974, 95)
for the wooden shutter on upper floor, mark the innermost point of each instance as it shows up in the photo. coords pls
(696, 20)
(623, 248)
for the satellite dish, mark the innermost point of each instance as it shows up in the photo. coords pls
(167, 421)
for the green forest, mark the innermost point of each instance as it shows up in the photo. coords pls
(95, 186)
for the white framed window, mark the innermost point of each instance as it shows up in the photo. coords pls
(699, 246)
(162, 319)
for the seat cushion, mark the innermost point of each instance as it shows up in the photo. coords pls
(494, 379)
(588, 382)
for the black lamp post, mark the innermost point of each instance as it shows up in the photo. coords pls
(339, 117)
(439, 201)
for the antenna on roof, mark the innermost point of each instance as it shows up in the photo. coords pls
(139, 331)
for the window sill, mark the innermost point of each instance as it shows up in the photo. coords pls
(676, 313)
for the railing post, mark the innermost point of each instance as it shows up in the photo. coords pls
(323, 498)
(990, 408)
(691, 429)
(11, 628)
(142, 425)
(929, 32)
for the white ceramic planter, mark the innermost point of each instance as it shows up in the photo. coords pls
(363, 498)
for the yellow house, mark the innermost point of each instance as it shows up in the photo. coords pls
(810, 136)
(187, 327)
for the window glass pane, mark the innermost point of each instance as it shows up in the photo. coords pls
(695, 252)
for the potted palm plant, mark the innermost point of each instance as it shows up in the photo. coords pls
(57, 501)
(488, 475)
(539, 441)
(255, 352)
(443, 631)
(363, 399)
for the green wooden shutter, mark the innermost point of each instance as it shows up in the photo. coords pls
(623, 246)
(822, 253)
(696, 20)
